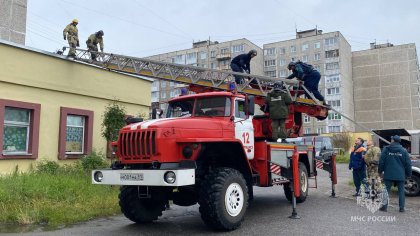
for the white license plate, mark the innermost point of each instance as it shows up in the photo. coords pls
(131, 176)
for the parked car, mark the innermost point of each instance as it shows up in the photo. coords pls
(412, 184)
(323, 145)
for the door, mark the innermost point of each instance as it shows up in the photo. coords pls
(244, 130)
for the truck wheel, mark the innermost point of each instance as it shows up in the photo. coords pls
(139, 210)
(223, 199)
(303, 183)
(412, 186)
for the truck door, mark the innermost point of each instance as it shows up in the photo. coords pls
(244, 130)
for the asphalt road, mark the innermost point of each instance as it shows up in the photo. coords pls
(268, 214)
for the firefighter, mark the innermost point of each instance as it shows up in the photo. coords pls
(310, 77)
(277, 105)
(372, 161)
(92, 43)
(241, 64)
(71, 33)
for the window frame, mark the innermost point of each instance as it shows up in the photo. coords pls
(34, 122)
(88, 132)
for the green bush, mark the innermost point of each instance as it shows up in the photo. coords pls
(49, 167)
(345, 158)
(93, 161)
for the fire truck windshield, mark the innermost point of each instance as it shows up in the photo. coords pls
(209, 106)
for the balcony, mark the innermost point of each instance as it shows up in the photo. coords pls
(223, 56)
(224, 67)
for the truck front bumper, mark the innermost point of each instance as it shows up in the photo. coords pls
(180, 177)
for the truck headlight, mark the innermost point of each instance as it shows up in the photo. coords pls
(98, 176)
(169, 177)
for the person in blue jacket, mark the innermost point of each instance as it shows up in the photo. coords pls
(396, 167)
(310, 77)
(241, 64)
(358, 165)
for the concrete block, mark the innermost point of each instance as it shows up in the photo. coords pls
(393, 68)
(411, 53)
(417, 124)
(17, 38)
(366, 82)
(370, 125)
(368, 116)
(365, 71)
(395, 90)
(388, 80)
(413, 66)
(396, 103)
(415, 102)
(414, 90)
(407, 124)
(414, 77)
(367, 93)
(4, 34)
(19, 18)
(362, 60)
(5, 15)
(397, 115)
(393, 56)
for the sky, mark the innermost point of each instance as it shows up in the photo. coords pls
(148, 27)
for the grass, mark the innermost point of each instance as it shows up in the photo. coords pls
(344, 158)
(53, 195)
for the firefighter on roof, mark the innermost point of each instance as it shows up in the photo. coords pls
(72, 35)
(92, 43)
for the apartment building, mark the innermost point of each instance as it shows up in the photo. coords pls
(330, 54)
(13, 20)
(205, 54)
(386, 86)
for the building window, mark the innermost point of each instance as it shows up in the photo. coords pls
(305, 47)
(317, 67)
(163, 84)
(269, 63)
(293, 48)
(19, 127)
(76, 131)
(212, 54)
(320, 130)
(332, 78)
(335, 103)
(283, 73)
(307, 130)
(282, 50)
(179, 59)
(224, 51)
(334, 129)
(269, 51)
(305, 58)
(330, 41)
(203, 55)
(271, 73)
(333, 91)
(163, 95)
(306, 119)
(213, 65)
(317, 45)
(331, 53)
(282, 62)
(334, 116)
(332, 66)
(238, 48)
(317, 57)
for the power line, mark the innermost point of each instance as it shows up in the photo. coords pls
(122, 19)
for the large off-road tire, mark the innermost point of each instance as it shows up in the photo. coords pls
(223, 199)
(412, 186)
(140, 210)
(303, 184)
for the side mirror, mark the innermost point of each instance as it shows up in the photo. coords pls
(251, 105)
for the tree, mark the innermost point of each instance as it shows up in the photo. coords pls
(113, 121)
(342, 140)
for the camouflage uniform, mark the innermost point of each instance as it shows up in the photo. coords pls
(72, 35)
(92, 44)
(372, 160)
(278, 102)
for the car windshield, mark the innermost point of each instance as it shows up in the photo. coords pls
(213, 106)
(180, 108)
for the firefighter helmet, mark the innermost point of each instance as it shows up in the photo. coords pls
(100, 33)
(75, 21)
(253, 52)
(278, 85)
(292, 63)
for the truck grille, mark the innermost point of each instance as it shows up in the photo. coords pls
(135, 145)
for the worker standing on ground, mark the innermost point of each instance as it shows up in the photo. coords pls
(92, 43)
(278, 106)
(310, 77)
(241, 64)
(71, 33)
(358, 165)
(372, 161)
(396, 166)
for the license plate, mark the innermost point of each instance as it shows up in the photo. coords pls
(131, 176)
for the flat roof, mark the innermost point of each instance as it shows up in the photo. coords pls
(63, 57)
